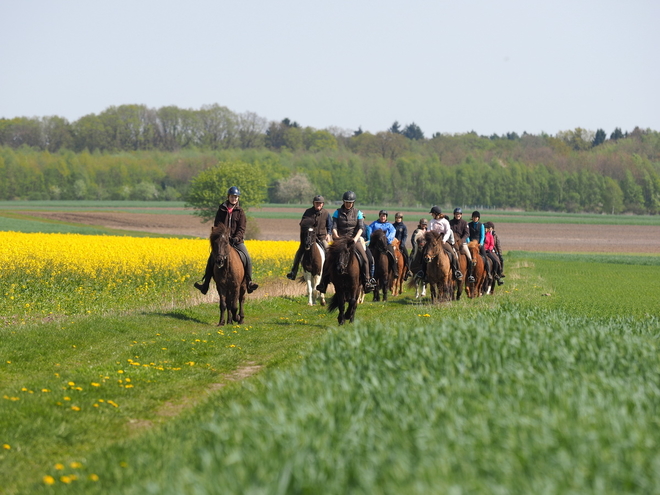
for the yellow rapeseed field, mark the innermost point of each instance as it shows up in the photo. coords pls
(77, 274)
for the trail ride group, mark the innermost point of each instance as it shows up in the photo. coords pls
(448, 257)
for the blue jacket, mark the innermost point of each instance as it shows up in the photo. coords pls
(389, 229)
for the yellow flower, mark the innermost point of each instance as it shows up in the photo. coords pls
(75, 465)
(65, 479)
(93, 477)
(49, 480)
(59, 466)
(75, 408)
(6, 446)
(96, 384)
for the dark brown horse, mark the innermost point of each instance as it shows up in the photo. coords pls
(438, 268)
(229, 276)
(416, 264)
(459, 285)
(312, 262)
(345, 276)
(479, 272)
(383, 263)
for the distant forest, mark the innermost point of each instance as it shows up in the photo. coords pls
(135, 152)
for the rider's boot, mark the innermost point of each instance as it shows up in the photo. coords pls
(471, 278)
(292, 274)
(251, 287)
(204, 286)
(323, 285)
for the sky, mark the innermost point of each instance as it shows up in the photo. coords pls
(447, 66)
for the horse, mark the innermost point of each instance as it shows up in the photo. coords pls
(344, 270)
(396, 283)
(312, 262)
(229, 276)
(459, 285)
(438, 269)
(416, 264)
(475, 289)
(383, 263)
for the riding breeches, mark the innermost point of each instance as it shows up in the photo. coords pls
(466, 251)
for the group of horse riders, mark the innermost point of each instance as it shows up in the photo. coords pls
(348, 221)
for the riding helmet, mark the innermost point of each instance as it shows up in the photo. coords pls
(233, 190)
(423, 221)
(458, 210)
(436, 209)
(476, 214)
(318, 199)
(398, 214)
(349, 196)
(383, 212)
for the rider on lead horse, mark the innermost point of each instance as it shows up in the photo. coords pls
(348, 222)
(232, 216)
(322, 224)
(461, 234)
(390, 233)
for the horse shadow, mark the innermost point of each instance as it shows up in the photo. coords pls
(178, 315)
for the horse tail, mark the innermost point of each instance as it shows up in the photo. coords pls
(334, 303)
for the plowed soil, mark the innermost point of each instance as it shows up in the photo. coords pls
(513, 236)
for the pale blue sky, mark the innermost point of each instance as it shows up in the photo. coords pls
(451, 67)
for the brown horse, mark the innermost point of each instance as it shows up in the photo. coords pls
(383, 263)
(459, 285)
(396, 284)
(229, 276)
(345, 276)
(479, 272)
(438, 268)
(312, 262)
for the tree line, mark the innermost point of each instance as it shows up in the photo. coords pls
(132, 152)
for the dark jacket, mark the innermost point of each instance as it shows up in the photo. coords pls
(498, 248)
(477, 232)
(234, 221)
(460, 229)
(347, 222)
(401, 233)
(322, 221)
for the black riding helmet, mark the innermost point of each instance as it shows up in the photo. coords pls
(458, 210)
(383, 212)
(233, 190)
(349, 196)
(435, 209)
(476, 214)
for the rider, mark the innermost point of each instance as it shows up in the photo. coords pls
(232, 216)
(477, 232)
(390, 232)
(347, 221)
(461, 233)
(322, 224)
(492, 248)
(421, 227)
(402, 235)
(440, 224)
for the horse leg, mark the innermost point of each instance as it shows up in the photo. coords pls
(319, 296)
(241, 314)
(310, 288)
(341, 318)
(352, 306)
(223, 308)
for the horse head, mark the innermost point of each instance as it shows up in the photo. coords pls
(473, 247)
(343, 249)
(307, 233)
(432, 246)
(378, 241)
(220, 245)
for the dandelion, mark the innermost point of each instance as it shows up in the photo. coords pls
(93, 477)
(48, 480)
(75, 465)
(45, 390)
(94, 384)
(66, 479)
(59, 466)
(75, 408)
(6, 446)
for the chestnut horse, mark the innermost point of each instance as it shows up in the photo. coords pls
(345, 276)
(438, 268)
(312, 263)
(459, 285)
(479, 272)
(383, 263)
(229, 276)
(396, 284)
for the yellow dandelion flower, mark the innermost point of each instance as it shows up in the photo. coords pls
(94, 384)
(75, 465)
(49, 480)
(75, 408)
(66, 479)
(59, 466)
(72, 384)
(6, 446)
(45, 390)
(93, 477)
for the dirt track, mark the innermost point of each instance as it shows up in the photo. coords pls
(517, 237)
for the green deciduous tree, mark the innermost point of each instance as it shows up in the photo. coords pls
(209, 188)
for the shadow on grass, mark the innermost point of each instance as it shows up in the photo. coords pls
(179, 315)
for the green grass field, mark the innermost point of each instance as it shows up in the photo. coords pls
(550, 386)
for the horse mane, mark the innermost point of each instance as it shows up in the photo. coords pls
(432, 236)
(216, 232)
(340, 244)
(306, 223)
(378, 238)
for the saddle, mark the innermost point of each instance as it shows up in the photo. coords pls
(242, 256)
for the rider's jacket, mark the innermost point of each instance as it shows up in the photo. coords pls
(347, 222)
(460, 228)
(387, 227)
(401, 233)
(477, 232)
(322, 221)
(233, 219)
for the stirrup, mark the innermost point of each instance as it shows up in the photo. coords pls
(458, 275)
(471, 279)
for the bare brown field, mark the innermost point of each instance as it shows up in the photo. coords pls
(513, 236)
